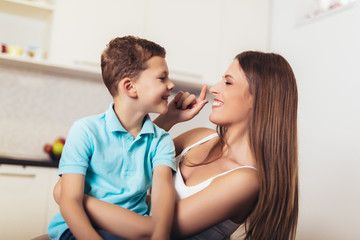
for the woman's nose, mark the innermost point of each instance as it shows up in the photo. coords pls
(213, 89)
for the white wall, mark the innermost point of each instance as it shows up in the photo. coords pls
(324, 54)
(199, 39)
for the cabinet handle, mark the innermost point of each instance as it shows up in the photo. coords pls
(17, 175)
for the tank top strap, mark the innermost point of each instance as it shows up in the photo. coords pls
(221, 174)
(198, 143)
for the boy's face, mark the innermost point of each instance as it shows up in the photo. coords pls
(153, 86)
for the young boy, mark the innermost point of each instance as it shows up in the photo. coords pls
(116, 156)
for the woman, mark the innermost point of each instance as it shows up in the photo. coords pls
(245, 172)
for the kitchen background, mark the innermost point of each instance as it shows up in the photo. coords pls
(43, 92)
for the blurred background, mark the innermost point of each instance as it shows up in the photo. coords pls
(50, 77)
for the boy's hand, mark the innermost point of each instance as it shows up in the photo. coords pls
(182, 108)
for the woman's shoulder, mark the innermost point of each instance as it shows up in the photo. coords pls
(232, 195)
(239, 190)
(190, 137)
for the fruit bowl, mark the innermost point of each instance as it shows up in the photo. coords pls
(55, 150)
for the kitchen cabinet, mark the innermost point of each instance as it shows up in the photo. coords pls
(26, 27)
(82, 28)
(245, 26)
(190, 31)
(79, 37)
(26, 202)
(201, 37)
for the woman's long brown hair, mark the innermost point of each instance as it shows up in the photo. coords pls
(273, 139)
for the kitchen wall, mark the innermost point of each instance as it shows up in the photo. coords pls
(37, 107)
(324, 53)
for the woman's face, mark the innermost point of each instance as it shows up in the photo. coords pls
(232, 99)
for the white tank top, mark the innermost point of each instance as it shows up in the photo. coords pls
(222, 230)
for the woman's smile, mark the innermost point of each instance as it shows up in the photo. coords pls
(217, 103)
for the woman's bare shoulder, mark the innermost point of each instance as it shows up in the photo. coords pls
(242, 187)
(232, 195)
(190, 137)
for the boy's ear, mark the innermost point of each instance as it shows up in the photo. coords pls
(127, 86)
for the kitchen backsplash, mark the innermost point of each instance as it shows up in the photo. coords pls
(38, 107)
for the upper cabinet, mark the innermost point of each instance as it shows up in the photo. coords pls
(201, 37)
(190, 32)
(26, 28)
(245, 25)
(82, 28)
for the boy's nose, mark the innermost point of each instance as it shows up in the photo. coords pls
(171, 85)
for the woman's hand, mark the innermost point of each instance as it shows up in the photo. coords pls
(182, 108)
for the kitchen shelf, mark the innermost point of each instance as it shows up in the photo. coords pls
(30, 9)
(182, 80)
(90, 73)
(32, 4)
(28, 162)
(314, 16)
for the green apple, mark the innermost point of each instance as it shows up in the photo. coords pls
(57, 148)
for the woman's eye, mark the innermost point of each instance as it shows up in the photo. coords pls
(162, 78)
(228, 83)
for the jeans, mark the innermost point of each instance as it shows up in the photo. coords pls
(67, 235)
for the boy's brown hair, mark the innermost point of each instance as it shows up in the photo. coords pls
(126, 57)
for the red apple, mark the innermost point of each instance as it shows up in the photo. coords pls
(48, 148)
(61, 140)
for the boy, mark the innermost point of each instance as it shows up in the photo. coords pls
(114, 156)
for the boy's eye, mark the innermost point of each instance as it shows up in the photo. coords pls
(162, 78)
(228, 83)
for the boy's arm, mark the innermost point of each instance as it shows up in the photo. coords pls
(182, 108)
(162, 202)
(71, 207)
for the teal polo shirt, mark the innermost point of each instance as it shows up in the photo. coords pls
(118, 168)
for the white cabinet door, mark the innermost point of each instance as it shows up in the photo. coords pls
(26, 28)
(189, 30)
(245, 26)
(82, 28)
(24, 201)
(202, 37)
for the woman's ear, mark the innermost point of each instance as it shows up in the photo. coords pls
(127, 86)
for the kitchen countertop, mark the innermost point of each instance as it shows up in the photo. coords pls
(29, 162)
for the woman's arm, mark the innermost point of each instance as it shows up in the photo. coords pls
(71, 207)
(118, 220)
(182, 108)
(231, 196)
(111, 217)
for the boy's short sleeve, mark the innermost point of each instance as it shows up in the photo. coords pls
(77, 150)
(165, 152)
